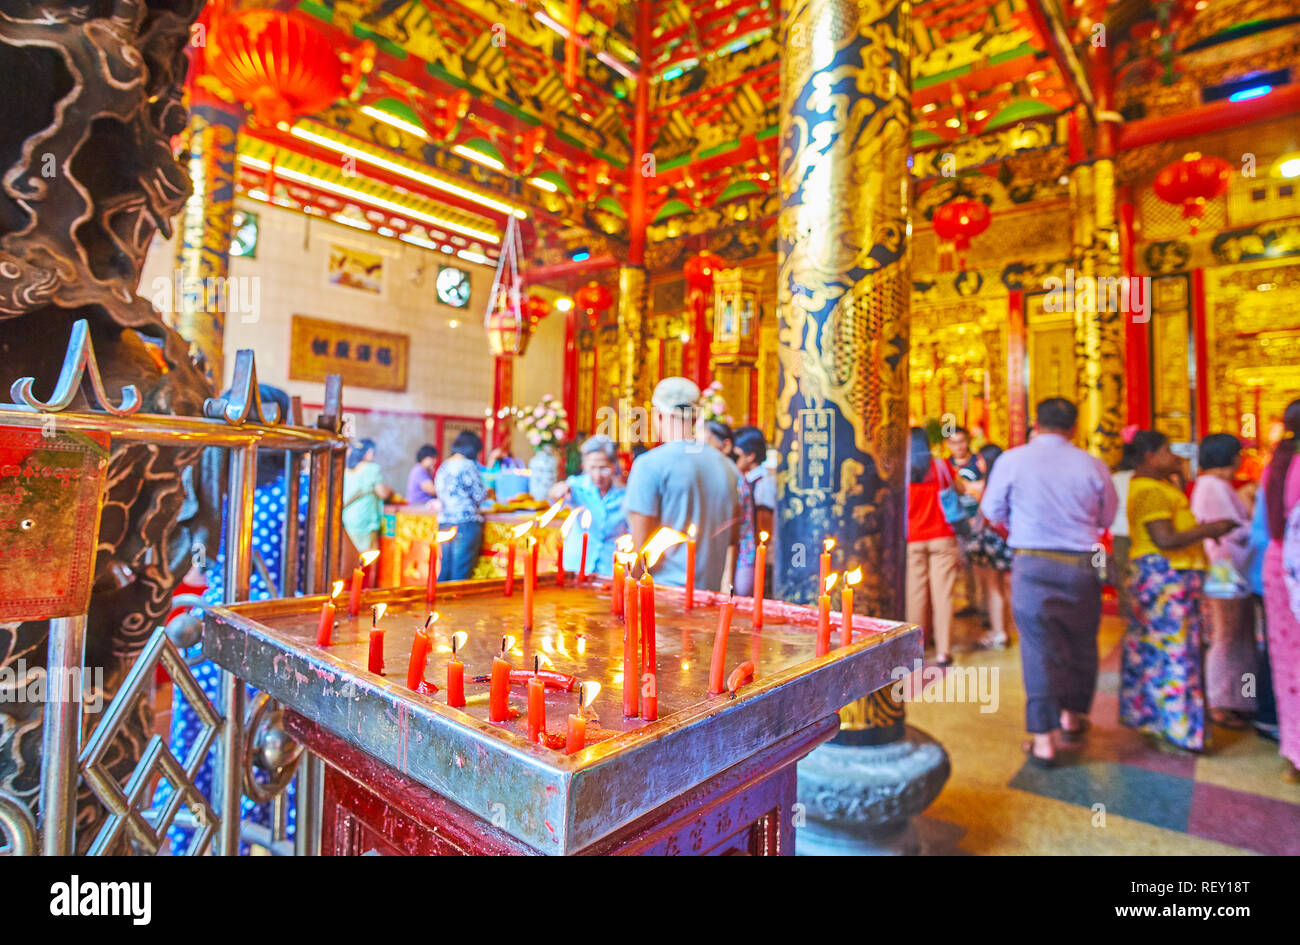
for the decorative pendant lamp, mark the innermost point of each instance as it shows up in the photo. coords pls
(1191, 182)
(507, 323)
(961, 220)
(281, 64)
(594, 299)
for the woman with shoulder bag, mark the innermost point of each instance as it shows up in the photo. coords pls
(933, 559)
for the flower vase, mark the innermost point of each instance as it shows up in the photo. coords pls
(543, 469)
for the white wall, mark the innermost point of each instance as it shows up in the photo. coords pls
(450, 368)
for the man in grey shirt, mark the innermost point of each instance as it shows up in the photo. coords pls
(683, 483)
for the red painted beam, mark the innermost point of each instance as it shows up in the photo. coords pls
(566, 270)
(1209, 118)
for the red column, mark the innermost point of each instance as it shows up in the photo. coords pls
(1017, 406)
(569, 396)
(503, 375)
(1201, 419)
(1137, 334)
(636, 216)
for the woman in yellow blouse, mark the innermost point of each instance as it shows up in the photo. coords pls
(1162, 689)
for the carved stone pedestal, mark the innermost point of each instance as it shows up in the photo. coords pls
(860, 799)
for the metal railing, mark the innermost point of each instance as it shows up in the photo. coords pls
(239, 426)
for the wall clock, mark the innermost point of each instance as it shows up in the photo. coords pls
(453, 286)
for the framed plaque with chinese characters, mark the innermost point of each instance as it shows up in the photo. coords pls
(365, 357)
(51, 489)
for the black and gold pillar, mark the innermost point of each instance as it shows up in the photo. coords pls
(632, 344)
(203, 258)
(843, 292)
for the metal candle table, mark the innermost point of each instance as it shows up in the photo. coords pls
(406, 773)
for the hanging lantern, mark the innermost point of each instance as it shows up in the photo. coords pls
(594, 299)
(535, 309)
(699, 271)
(506, 322)
(279, 63)
(961, 220)
(1191, 182)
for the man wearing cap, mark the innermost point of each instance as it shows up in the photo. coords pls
(682, 483)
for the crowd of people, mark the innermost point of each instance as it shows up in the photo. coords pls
(1200, 565)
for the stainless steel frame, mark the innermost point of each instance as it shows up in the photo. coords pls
(240, 426)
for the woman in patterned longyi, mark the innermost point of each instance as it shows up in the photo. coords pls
(1162, 675)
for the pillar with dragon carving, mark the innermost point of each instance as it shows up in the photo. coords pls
(843, 294)
(209, 152)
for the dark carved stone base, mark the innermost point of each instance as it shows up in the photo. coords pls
(860, 800)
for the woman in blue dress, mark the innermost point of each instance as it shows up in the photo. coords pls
(597, 491)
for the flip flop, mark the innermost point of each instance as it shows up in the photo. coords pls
(1038, 761)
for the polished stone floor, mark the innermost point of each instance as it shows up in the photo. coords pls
(1115, 796)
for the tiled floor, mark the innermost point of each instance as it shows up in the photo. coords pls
(1116, 796)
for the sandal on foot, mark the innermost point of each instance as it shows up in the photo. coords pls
(943, 662)
(1073, 736)
(1038, 761)
(989, 641)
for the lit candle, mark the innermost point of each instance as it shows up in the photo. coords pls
(623, 549)
(327, 611)
(499, 694)
(631, 646)
(576, 737)
(825, 565)
(824, 616)
(530, 581)
(536, 704)
(690, 566)
(359, 579)
(456, 672)
(435, 562)
(846, 605)
(419, 654)
(760, 569)
(718, 666)
(376, 659)
(582, 562)
(649, 668)
(516, 533)
(569, 521)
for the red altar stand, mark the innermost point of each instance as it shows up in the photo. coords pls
(412, 771)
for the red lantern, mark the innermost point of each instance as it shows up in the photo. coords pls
(279, 63)
(1191, 182)
(699, 270)
(959, 221)
(535, 309)
(593, 298)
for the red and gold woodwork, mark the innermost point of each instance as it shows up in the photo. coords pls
(734, 346)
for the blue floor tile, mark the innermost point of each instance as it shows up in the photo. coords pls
(1154, 798)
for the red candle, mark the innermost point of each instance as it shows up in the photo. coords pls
(690, 567)
(530, 584)
(825, 564)
(510, 569)
(582, 562)
(718, 666)
(327, 610)
(499, 694)
(616, 597)
(760, 569)
(576, 736)
(846, 605)
(456, 673)
(824, 618)
(559, 562)
(419, 656)
(359, 579)
(631, 650)
(649, 657)
(536, 708)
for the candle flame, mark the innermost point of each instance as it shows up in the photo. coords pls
(586, 518)
(660, 542)
(625, 558)
(336, 589)
(542, 659)
(587, 693)
(828, 544)
(853, 577)
(762, 538)
(507, 644)
(831, 579)
(430, 620)
(545, 518)
(446, 536)
(624, 544)
(569, 521)
(519, 531)
(368, 558)
(690, 531)
(376, 612)
(458, 639)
